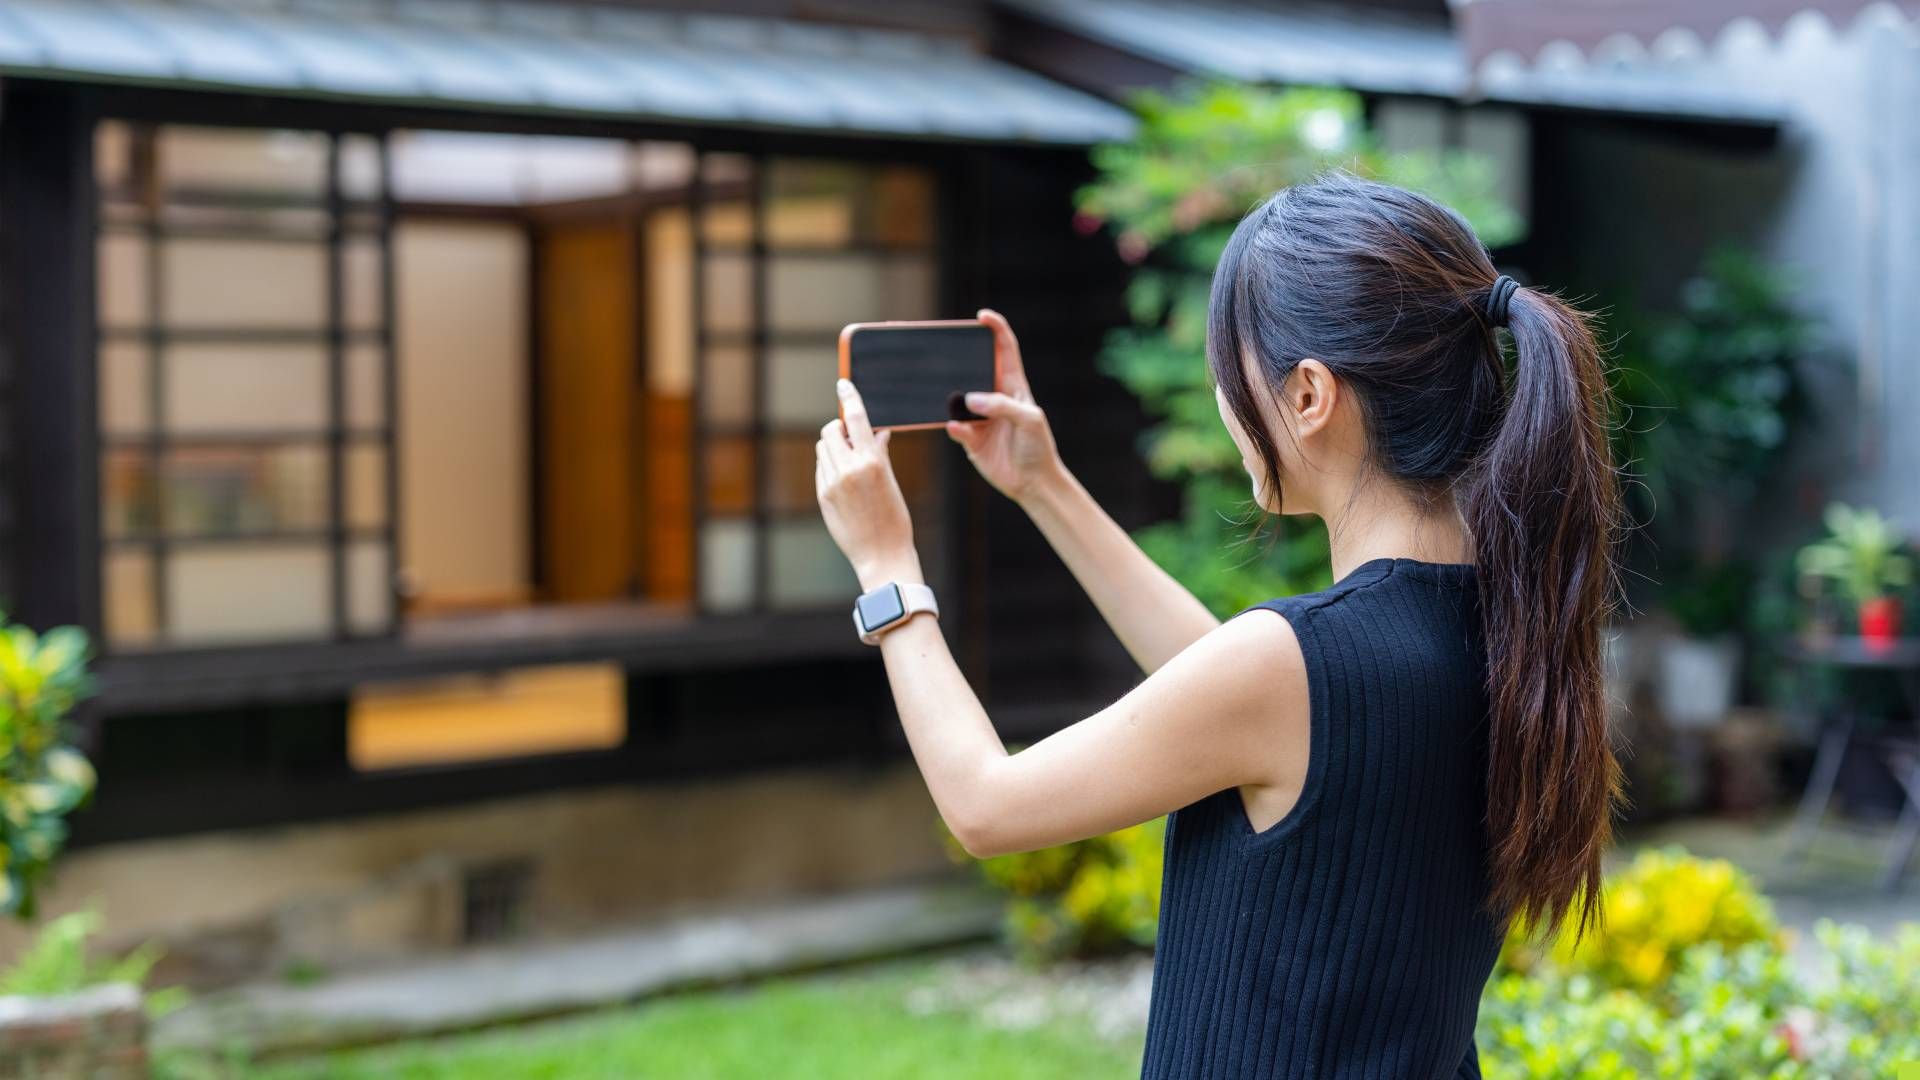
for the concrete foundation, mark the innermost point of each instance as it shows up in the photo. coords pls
(316, 899)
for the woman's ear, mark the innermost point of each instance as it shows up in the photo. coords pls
(1313, 393)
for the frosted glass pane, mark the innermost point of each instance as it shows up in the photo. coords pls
(807, 569)
(800, 385)
(363, 298)
(360, 166)
(728, 470)
(909, 290)
(369, 587)
(902, 207)
(127, 499)
(225, 388)
(243, 159)
(670, 315)
(366, 481)
(727, 293)
(128, 600)
(366, 387)
(658, 166)
(824, 294)
(727, 224)
(112, 155)
(227, 491)
(125, 397)
(726, 565)
(245, 283)
(790, 466)
(728, 385)
(122, 280)
(248, 592)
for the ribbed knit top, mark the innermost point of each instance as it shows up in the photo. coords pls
(1350, 939)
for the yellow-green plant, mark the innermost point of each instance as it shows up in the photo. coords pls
(1863, 553)
(1663, 904)
(43, 777)
(1088, 897)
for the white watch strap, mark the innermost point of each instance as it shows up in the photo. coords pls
(914, 598)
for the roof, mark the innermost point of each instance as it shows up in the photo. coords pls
(556, 58)
(1380, 51)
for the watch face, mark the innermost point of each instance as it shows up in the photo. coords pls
(880, 607)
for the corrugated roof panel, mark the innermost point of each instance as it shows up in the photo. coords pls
(1379, 52)
(90, 37)
(566, 58)
(211, 46)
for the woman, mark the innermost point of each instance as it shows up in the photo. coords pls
(1366, 783)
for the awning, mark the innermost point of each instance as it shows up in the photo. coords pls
(1380, 51)
(1525, 27)
(555, 58)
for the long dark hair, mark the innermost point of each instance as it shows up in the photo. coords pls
(1391, 291)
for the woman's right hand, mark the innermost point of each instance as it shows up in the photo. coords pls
(1013, 448)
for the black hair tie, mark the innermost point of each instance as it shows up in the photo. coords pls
(1498, 297)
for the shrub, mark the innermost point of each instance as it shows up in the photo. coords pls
(1726, 1014)
(1664, 904)
(43, 777)
(1083, 898)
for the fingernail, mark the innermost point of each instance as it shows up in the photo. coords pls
(976, 398)
(843, 386)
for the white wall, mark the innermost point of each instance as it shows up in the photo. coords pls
(460, 291)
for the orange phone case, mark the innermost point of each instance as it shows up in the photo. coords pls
(846, 361)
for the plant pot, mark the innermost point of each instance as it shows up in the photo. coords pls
(1880, 620)
(1697, 680)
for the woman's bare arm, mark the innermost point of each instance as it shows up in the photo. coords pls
(1230, 710)
(1153, 615)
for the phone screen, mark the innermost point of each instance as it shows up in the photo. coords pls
(919, 374)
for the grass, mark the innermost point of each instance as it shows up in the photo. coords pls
(818, 1028)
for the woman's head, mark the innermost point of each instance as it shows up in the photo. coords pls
(1353, 332)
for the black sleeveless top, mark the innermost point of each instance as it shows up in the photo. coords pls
(1351, 938)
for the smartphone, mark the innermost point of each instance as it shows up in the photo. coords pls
(917, 374)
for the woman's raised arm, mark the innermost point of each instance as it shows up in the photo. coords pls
(1154, 616)
(1230, 711)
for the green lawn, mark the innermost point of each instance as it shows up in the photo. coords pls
(854, 1025)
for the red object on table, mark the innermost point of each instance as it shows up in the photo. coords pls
(1880, 621)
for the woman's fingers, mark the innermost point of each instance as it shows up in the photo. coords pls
(997, 406)
(854, 412)
(833, 444)
(1006, 350)
(967, 435)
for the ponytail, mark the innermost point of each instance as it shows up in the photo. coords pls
(1541, 502)
(1396, 296)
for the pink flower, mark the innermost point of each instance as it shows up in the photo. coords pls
(1087, 224)
(1133, 248)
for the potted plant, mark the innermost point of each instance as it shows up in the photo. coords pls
(1867, 559)
(1699, 669)
(1709, 397)
(43, 777)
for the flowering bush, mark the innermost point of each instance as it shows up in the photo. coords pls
(1664, 904)
(1087, 897)
(42, 777)
(1726, 1014)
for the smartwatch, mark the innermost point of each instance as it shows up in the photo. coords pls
(888, 606)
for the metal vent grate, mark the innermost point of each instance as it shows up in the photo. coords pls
(495, 900)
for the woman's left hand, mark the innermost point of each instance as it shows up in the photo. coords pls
(860, 498)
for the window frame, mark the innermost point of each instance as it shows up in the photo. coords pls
(196, 676)
(335, 437)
